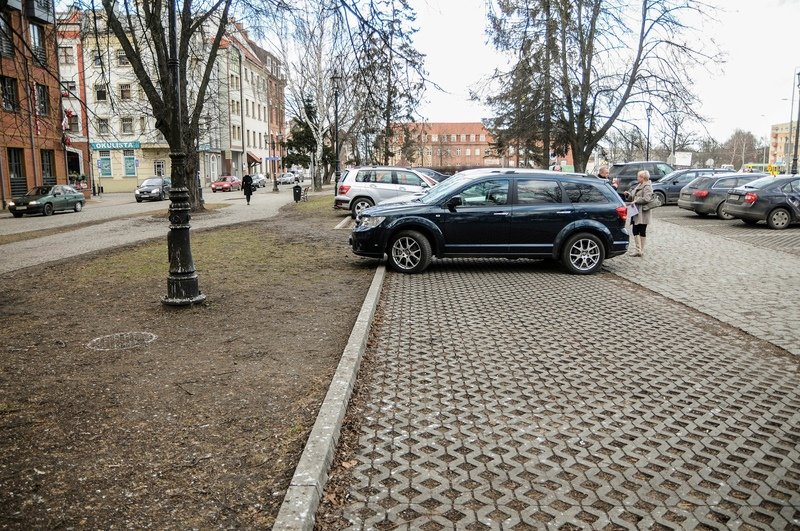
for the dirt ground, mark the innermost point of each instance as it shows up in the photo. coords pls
(182, 418)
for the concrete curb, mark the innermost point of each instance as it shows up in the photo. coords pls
(300, 504)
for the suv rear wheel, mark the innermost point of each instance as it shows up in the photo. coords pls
(359, 204)
(409, 252)
(582, 254)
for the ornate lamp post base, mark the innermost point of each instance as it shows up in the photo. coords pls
(182, 286)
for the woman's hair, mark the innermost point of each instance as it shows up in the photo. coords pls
(645, 174)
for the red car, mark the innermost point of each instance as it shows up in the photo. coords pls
(226, 183)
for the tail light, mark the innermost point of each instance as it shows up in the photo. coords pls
(343, 189)
(700, 193)
(622, 212)
(750, 197)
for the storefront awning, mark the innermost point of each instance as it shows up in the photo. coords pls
(253, 159)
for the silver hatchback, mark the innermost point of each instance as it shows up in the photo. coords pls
(360, 188)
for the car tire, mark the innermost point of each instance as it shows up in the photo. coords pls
(359, 204)
(702, 214)
(138, 199)
(721, 214)
(17, 214)
(47, 210)
(213, 191)
(78, 206)
(662, 198)
(161, 196)
(582, 254)
(409, 252)
(779, 219)
(750, 222)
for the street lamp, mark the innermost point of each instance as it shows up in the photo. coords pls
(336, 78)
(182, 284)
(796, 131)
(649, 113)
(274, 173)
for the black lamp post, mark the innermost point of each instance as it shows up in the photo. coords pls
(796, 133)
(182, 285)
(274, 173)
(649, 112)
(336, 78)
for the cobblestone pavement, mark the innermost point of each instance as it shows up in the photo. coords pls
(509, 395)
(725, 269)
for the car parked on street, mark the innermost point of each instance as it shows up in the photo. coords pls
(775, 200)
(508, 213)
(153, 189)
(439, 177)
(259, 180)
(360, 188)
(668, 188)
(46, 200)
(226, 183)
(706, 195)
(623, 174)
(288, 178)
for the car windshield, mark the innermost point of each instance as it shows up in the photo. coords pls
(39, 190)
(669, 176)
(443, 189)
(762, 182)
(152, 182)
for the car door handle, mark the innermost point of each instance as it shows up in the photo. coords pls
(502, 213)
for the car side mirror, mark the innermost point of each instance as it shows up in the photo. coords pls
(453, 202)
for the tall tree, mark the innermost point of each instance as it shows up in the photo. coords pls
(612, 59)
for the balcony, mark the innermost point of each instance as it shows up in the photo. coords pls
(40, 10)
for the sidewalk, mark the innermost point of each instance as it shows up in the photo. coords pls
(521, 401)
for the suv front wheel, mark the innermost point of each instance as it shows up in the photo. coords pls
(409, 252)
(359, 204)
(582, 254)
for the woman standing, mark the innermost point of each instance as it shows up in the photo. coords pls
(640, 196)
(247, 186)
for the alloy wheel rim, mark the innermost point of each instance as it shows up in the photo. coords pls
(406, 253)
(360, 206)
(584, 254)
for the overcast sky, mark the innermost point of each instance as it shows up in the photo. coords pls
(753, 91)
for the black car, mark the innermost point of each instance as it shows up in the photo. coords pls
(668, 188)
(775, 200)
(623, 174)
(499, 213)
(706, 195)
(153, 189)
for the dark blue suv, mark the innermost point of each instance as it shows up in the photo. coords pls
(573, 218)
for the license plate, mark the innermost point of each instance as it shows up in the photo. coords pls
(733, 196)
(22, 208)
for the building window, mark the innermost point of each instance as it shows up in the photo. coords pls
(66, 55)
(100, 93)
(125, 91)
(468, 152)
(472, 138)
(158, 168)
(42, 100)
(477, 152)
(452, 138)
(6, 42)
(127, 126)
(48, 166)
(73, 124)
(69, 88)
(37, 44)
(143, 124)
(458, 152)
(129, 162)
(104, 163)
(98, 58)
(435, 138)
(122, 59)
(10, 96)
(483, 138)
(102, 126)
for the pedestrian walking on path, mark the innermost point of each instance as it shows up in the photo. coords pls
(640, 196)
(247, 186)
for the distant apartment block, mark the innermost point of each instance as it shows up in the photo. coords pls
(781, 143)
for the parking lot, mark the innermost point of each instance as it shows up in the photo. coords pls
(508, 394)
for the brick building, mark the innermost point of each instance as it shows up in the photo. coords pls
(451, 147)
(31, 149)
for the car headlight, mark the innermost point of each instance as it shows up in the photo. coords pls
(34, 203)
(11, 203)
(369, 222)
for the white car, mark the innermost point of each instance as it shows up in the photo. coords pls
(360, 188)
(288, 178)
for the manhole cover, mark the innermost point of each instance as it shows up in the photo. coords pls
(122, 341)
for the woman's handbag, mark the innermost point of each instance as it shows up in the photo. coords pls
(654, 203)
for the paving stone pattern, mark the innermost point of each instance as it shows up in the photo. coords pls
(743, 283)
(509, 395)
